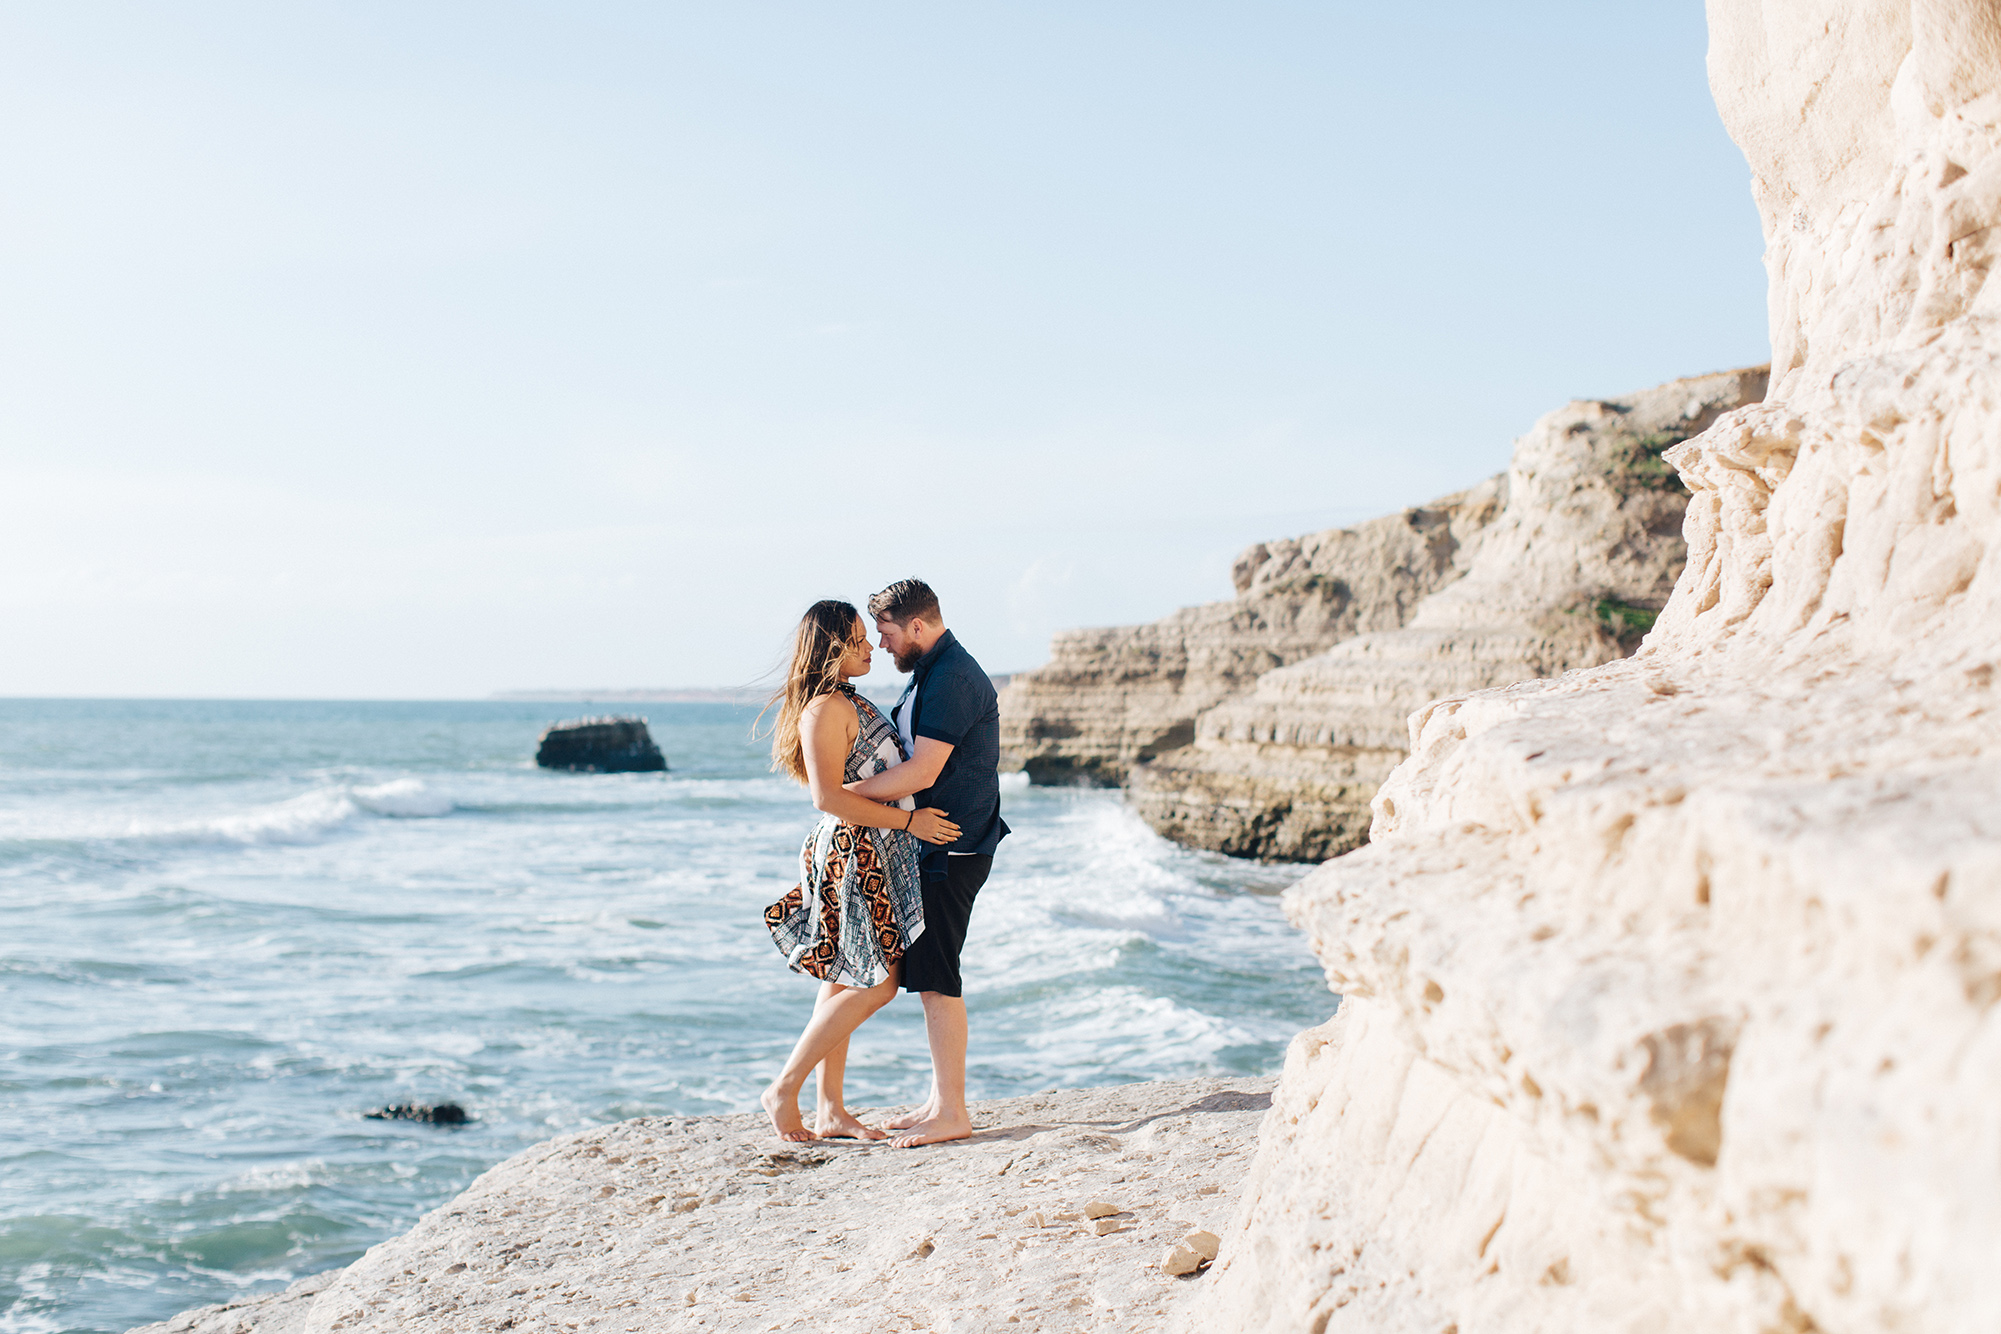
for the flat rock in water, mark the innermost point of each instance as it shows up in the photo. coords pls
(600, 745)
(714, 1223)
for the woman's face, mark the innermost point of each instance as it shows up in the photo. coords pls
(860, 655)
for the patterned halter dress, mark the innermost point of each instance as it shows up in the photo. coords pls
(859, 901)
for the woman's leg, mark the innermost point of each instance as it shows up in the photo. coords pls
(827, 1080)
(835, 1016)
(831, 1119)
(833, 1066)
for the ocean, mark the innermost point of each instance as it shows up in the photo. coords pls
(229, 929)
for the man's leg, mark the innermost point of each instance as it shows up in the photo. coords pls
(932, 969)
(925, 1110)
(945, 1026)
(932, 961)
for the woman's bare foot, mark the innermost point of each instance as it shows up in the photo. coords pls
(784, 1113)
(935, 1131)
(843, 1124)
(911, 1120)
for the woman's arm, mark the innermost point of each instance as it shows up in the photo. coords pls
(826, 733)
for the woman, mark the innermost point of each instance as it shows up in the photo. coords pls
(859, 900)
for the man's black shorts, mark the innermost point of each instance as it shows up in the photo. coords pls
(932, 964)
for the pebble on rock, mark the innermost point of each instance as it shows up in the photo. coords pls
(1179, 1260)
(1204, 1244)
(1104, 1227)
(1100, 1209)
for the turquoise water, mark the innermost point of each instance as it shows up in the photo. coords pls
(229, 929)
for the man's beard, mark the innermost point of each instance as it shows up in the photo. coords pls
(907, 659)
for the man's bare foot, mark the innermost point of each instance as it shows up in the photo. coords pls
(843, 1125)
(935, 1131)
(911, 1120)
(784, 1114)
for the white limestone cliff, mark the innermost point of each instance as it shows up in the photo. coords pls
(1672, 983)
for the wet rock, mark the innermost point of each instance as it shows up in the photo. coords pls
(437, 1114)
(618, 745)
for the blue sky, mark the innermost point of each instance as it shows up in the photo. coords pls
(436, 349)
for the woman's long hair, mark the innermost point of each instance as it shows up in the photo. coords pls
(826, 633)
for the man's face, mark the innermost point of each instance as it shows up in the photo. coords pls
(900, 641)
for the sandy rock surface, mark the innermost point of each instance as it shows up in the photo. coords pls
(1673, 986)
(1056, 1215)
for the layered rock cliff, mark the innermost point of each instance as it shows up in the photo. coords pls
(1671, 984)
(1112, 698)
(1570, 574)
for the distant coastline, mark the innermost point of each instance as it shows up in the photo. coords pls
(692, 695)
(719, 695)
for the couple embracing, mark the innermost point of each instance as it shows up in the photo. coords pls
(911, 815)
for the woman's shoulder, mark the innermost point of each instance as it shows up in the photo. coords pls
(835, 704)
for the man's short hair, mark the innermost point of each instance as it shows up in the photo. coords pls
(904, 601)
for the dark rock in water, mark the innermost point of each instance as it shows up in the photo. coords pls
(437, 1114)
(601, 745)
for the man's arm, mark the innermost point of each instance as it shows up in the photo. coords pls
(915, 774)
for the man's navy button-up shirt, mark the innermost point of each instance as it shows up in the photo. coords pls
(953, 701)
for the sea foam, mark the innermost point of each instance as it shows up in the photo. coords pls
(403, 798)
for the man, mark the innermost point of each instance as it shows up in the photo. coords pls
(949, 717)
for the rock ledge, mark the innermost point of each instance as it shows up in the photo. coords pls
(712, 1223)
